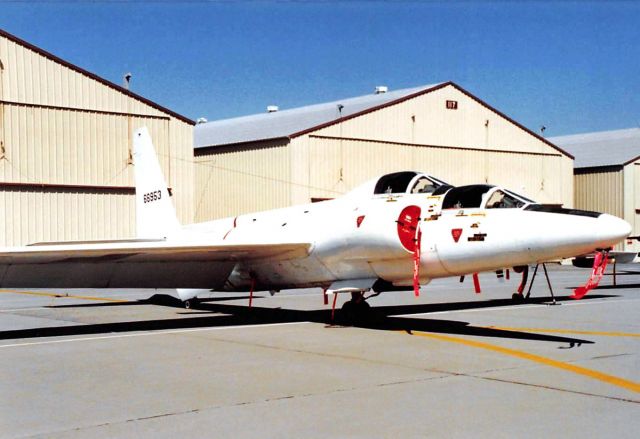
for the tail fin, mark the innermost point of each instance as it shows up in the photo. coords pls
(155, 214)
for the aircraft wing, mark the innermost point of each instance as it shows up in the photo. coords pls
(132, 264)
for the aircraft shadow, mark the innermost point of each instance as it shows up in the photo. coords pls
(380, 318)
(615, 287)
(156, 299)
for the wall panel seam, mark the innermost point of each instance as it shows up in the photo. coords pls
(420, 145)
(83, 110)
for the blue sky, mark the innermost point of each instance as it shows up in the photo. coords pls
(571, 66)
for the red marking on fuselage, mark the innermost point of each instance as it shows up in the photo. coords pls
(408, 226)
(456, 233)
(359, 220)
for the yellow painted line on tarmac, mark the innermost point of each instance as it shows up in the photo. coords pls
(568, 331)
(70, 296)
(609, 379)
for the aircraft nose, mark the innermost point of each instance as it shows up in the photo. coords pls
(611, 228)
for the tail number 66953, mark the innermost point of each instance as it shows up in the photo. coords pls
(152, 196)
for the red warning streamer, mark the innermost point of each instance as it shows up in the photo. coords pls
(599, 266)
(476, 283)
(416, 262)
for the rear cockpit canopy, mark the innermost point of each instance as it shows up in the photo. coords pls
(483, 196)
(407, 182)
(397, 184)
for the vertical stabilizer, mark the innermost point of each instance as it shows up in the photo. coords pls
(155, 214)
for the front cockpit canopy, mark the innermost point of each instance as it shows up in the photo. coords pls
(483, 196)
(407, 182)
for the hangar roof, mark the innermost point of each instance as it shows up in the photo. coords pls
(604, 148)
(298, 121)
(295, 121)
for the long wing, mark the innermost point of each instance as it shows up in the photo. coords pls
(132, 264)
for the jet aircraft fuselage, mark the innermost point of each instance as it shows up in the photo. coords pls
(399, 230)
(368, 235)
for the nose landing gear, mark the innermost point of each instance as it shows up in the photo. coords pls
(519, 296)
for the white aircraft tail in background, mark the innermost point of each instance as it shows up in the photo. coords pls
(155, 214)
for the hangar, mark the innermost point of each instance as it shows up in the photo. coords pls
(65, 139)
(280, 158)
(607, 175)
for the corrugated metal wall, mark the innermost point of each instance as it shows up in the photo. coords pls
(29, 77)
(469, 145)
(600, 191)
(426, 120)
(235, 180)
(472, 144)
(65, 170)
(51, 214)
(633, 198)
(347, 163)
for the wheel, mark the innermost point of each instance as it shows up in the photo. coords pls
(355, 311)
(190, 303)
(517, 297)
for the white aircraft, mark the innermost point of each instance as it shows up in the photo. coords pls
(395, 232)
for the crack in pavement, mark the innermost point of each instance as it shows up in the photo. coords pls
(444, 375)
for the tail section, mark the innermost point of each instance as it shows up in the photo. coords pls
(155, 214)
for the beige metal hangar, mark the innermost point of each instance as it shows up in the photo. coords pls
(65, 140)
(280, 158)
(607, 175)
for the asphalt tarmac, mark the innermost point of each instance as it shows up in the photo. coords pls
(451, 363)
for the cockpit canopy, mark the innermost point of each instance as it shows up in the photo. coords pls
(463, 197)
(483, 195)
(407, 182)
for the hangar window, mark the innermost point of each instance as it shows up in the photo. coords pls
(464, 197)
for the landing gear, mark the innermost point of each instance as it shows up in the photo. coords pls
(546, 275)
(519, 296)
(354, 311)
(189, 303)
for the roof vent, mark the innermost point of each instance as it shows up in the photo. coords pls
(126, 80)
(201, 120)
(272, 108)
(381, 89)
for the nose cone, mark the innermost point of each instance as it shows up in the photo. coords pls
(612, 229)
(567, 233)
